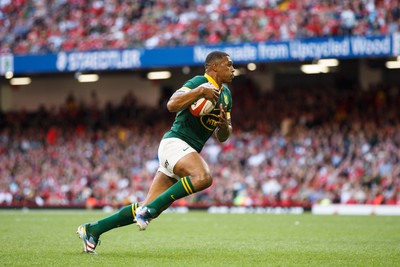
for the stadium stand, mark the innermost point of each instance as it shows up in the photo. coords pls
(37, 27)
(339, 147)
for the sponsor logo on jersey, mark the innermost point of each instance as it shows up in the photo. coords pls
(209, 121)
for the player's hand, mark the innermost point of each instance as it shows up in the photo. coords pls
(209, 92)
(222, 122)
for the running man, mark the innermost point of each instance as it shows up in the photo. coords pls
(182, 170)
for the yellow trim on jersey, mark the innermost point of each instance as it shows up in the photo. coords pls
(211, 80)
(228, 115)
(186, 185)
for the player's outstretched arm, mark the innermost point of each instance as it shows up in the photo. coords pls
(184, 97)
(224, 125)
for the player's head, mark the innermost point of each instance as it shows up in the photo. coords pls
(219, 65)
(214, 57)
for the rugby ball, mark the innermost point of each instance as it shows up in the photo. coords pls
(201, 107)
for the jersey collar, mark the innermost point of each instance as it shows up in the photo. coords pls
(211, 80)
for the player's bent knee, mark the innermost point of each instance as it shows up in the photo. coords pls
(201, 182)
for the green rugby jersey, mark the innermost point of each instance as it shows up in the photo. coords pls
(197, 130)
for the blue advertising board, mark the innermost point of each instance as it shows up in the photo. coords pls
(107, 60)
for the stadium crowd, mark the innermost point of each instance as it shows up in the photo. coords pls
(292, 147)
(47, 26)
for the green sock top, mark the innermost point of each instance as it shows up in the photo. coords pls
(182, 188)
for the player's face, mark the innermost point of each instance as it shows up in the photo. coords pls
(226, 70)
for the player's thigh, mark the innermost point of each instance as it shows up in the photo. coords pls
(191, 165)
(161, 182)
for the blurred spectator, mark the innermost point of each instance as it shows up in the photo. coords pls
(347, 20)
(91, 202)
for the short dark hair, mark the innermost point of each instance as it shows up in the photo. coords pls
(213, 56)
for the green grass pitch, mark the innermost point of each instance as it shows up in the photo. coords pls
(47, 238)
